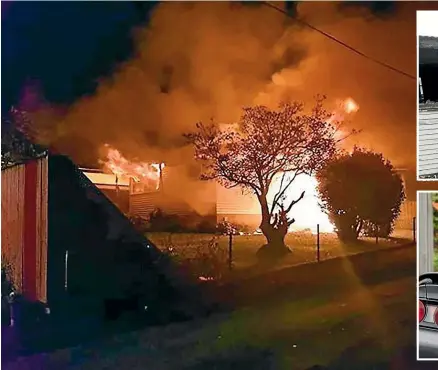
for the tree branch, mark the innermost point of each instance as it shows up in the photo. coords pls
(290, 222)
(295, 202)
(281, 192)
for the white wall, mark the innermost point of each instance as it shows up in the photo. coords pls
(428, 143)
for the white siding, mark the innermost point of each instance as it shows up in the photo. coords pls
(428, 143)
(233, 201)
(144, 203)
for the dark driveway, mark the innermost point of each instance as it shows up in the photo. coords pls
(351, 313)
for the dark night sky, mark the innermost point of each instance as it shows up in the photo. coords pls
(67, 46)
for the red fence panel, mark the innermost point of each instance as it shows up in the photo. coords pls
(12, 219)
(24, 226)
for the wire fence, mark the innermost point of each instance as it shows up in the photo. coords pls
(239, 250)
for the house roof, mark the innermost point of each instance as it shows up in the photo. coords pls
(428, 42)
(428, 50)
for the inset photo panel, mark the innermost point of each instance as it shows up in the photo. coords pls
(427, 116)
(427, 263)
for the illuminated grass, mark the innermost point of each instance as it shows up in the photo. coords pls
(303, 245)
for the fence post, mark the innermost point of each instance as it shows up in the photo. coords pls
(230, 251)
(414, 228)
(317, 243)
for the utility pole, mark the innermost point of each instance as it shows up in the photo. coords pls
(160, 169)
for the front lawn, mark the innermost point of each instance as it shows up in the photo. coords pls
(244, 247)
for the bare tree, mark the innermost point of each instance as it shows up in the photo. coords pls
(265, 146)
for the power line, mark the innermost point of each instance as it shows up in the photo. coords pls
(340, 42)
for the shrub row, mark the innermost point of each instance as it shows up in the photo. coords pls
(159, 221)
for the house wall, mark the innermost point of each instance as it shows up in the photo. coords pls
(142, 204)
(180, 194)
(428, 142)
(234, 202)
(24, 226)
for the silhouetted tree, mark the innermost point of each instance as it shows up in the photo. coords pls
(359, 189)
(16, 142)
(263, 146)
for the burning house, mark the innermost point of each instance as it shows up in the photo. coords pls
(138, 189)
(157, 186)
(113, 186)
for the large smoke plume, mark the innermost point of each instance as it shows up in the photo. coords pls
(197, 61)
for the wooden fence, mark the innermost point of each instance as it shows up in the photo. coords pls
(24, 227)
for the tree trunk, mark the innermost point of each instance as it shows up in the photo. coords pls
(274, 236)
(274, 233)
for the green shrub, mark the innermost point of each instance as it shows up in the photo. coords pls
(163, 222)
(359, 190)
(206, 226)
(140, 224)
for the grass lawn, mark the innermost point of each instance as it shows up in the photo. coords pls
(303, 245)
(366, 317)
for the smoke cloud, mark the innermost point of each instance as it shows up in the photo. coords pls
(201, 60)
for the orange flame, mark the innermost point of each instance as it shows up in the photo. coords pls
(345, 107)
(350, 106)
(139, 171)
(310, 213)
